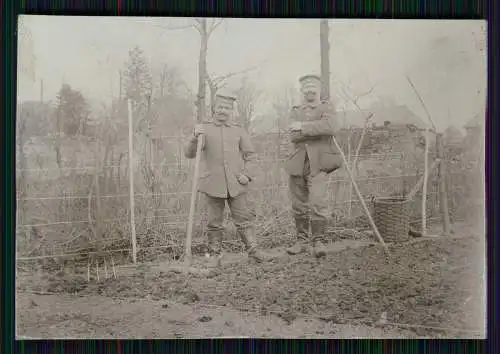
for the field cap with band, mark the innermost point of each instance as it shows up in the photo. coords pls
(225, 96)
(310, 81)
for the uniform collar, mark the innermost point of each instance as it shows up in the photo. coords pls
(310, 105)
(219, 123)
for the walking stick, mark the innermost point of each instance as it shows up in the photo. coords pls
(360, 197)
(192, 206)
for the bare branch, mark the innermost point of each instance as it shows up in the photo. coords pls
(367, 92)
(214, 25)
(174, 28)
(354, 99)
(209, 79)
(198, 25)
(421, 102)
(222, 78)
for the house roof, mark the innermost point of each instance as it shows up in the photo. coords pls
(452, 132)
(399, 114)
(395, 114)
(475, 122)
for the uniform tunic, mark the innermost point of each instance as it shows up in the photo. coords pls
(311, 153)
(313, 141)
(226, 150)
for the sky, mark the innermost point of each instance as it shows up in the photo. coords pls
(442, 58)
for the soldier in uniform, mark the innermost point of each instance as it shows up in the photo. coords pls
(224, 177)
(313, 156)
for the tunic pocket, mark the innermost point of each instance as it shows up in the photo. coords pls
(329, 161)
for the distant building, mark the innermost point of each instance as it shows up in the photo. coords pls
(474, 130)
(452, 136)
(395, 117)
(393, 127)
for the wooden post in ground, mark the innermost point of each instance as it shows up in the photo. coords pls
(424, 187)
(443, 193)
(325, 58)
(131, 180)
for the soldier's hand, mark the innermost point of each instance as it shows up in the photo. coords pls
(243, 179)
(198, 130)
(296, 126)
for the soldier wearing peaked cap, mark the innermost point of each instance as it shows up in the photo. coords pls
(312, 157)
(224, 177)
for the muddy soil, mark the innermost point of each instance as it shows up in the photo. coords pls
(66, 316)
(432, 288)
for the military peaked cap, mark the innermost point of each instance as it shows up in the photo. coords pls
(225, 96)
(310, 79)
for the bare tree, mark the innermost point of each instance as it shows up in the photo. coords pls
(215, 83)
(282, 106)
(247, 97)
(205, 30)
(348, 95)
(168, 81)
(137, 79)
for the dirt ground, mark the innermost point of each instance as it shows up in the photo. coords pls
(430, 288)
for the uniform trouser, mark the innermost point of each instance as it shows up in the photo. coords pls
(307, 194)
(243, 216)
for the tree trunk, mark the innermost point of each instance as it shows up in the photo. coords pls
(213, 93)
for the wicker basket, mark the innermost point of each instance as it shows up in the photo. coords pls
(416, 222)
(392, 218)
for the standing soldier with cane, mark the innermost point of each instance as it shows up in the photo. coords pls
(313, 157)
(225, 152)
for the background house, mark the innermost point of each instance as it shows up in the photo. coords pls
(474, 129)
(452, 136)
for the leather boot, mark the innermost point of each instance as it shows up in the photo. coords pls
(318, 231)
(248, 236)
(214, 260)
(215, 248)
(302, 229)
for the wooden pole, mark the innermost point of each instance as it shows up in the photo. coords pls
(443, 193)
(41, 90)
(424, 187)
(420, 182)
(121, 86)
(202, 71)
(354, 164)
(349, 190)
(131, 180)
(192, 204)
(325, 59)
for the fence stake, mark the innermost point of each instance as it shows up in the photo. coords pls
(418, 185)
(443, 193)
(131, 180)
(424, 187)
